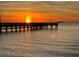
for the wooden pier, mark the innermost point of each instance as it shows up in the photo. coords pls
(27, 26)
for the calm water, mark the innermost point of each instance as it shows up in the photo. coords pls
(49, 43)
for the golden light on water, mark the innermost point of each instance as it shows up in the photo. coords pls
(28, 20)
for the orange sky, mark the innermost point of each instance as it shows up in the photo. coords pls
(39, 11)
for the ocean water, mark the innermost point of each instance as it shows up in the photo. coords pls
(63, 42)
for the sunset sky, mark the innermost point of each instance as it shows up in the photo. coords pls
(39, 11)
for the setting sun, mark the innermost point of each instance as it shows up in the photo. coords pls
(28, 20)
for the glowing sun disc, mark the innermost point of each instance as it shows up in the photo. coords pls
(28, 20)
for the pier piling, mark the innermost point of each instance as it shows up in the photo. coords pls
(11, 28)
(15, 28)
(20, 28)
(23, 28)
(0, 29)
(6, 28)
(56, 27)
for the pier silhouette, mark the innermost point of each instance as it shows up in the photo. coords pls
(32, 26)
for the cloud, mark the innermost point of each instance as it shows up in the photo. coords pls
(69, 8)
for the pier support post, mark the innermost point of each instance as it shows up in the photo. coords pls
(15, 28)
(11, 29)
(0, 29)
(51, 27)
(46, 27)
(56, 26)
(39, 27)
(24, 28)
(6, 28)
(27, 28)
(42, 27)
(20, 28)
(31, 28)
(36, 27)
